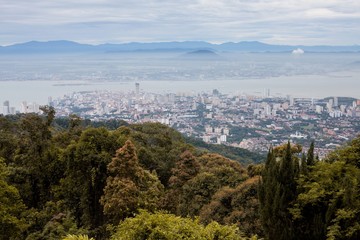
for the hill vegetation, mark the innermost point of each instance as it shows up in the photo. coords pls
(69, 179)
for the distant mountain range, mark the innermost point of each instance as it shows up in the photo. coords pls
(63, 46)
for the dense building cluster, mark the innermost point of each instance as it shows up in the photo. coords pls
(247, 121)
(240, 120)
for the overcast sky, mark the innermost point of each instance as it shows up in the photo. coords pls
(308, 22)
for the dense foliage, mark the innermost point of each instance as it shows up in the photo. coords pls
(70, 179)
(168, 226)
(304, 198)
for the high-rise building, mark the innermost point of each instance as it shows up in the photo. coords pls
(23, 107)
(267, 110)
(336, 101)
(223, 138)
(6, 108)
(12, 110)
(319, 109)
(50, 101)
(267, 92)
(137, 89)
(330, 104)
(291, 100)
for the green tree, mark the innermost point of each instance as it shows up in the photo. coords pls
(237, 205)
(186, 168)
(167, 226)
(215, 172)
(35, 164)
(310, 160)
(196, 193)
(228, 172)
(77, 237)
(52, 222)
(350, 153)
(329, 202)
(8, 138)
(278, 191)
(304, 168)
(128, 186)
(159, 147)
(49, 113)
(12, 223)
(71, 129)
(85, 175)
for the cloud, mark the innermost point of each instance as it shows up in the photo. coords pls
(325, 13)
(273, 21)
(298, 51)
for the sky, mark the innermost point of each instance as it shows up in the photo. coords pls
(293, 22)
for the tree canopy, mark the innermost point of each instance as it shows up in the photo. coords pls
(73, 179)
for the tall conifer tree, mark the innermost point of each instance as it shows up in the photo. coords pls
(310, 155)
(277, 192)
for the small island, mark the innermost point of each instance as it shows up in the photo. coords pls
(201, 54)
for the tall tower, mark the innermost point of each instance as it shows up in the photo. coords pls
(267, 92)
(330, 104)
(50, 101)
(137, 89)
(6, 108)
(24, 107)
(291, 100)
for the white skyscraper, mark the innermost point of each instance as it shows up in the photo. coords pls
(267, 92)
(12, 110)
(6, 108)
(267, 110)
(223, 138)
(291, 100)
(23, 107)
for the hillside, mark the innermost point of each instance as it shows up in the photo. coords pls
(69, 179)
(241, 155)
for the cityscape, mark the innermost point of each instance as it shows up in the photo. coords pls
(239, 120)
(124, 120)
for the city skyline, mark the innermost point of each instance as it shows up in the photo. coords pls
(246, 121)
(299, 22)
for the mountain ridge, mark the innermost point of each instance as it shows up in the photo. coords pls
(65, 46)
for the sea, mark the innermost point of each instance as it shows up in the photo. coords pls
(38, 78)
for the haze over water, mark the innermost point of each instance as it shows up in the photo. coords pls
(37, 77)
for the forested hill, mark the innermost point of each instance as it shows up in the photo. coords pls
(68, 179)
(240, 155)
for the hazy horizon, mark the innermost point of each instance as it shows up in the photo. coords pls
(176, 41)
(37, 77)
(300, 22)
